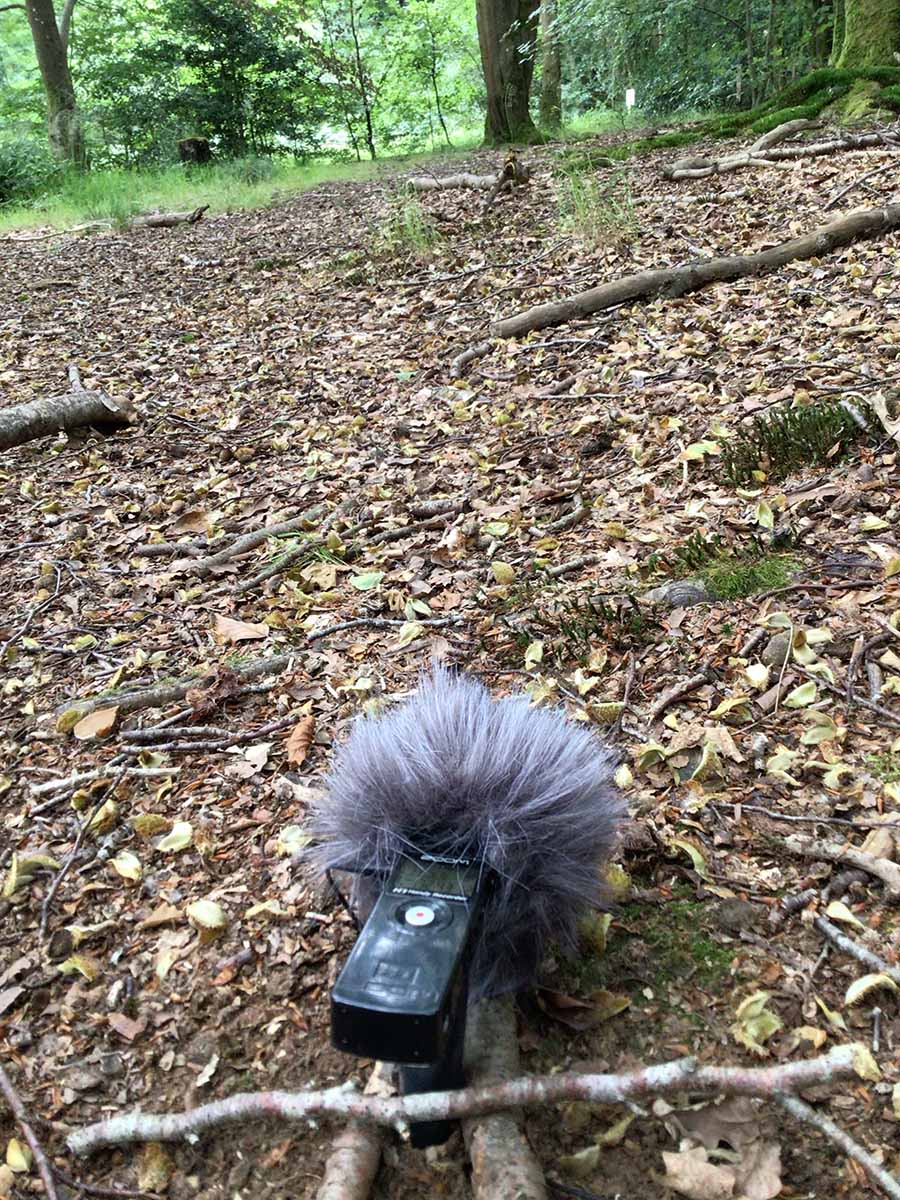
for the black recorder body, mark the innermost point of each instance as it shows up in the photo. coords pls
(403, 993)
(475, 828)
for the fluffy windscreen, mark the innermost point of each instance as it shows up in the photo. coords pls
(453, 772)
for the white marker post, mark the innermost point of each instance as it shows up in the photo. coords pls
(629, 98)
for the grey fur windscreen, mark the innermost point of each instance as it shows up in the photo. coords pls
(452, 771)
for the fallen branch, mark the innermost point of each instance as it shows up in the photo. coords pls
(873, 1168)
(17, 1108)
(246, 542)
(882, 868)
(167, 693)
(380, 623)
(761, 154)
(671, 282)
(503, 1165)
(891, 164)
(73, 410)
(781, 133)
(664, 1079)
(356, 1152)
(855, 950)
(71, 782)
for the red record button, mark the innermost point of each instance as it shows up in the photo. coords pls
(418, 915)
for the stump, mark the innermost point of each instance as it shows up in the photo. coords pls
(194, 150)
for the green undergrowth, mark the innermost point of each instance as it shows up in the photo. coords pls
(74, 198)
(805, 98)
(677, 948)
(729, 572)
(599, 211)
(788, 439)
(885, 767)
(734, 579)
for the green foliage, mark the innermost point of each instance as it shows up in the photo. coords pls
(885, 767)
(570, 623)
(736, 578)
(26, 167)
(779, 442)
(408, 231)
(598, 210)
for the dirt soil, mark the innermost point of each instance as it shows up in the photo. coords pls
(298, 359)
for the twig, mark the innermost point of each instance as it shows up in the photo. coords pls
(17, 1108)
(885, 166)
(73, 853)
(785, 908)
(74, 781)
(811, 820)
(574, 564)
(801, 1111)
(662, 1079)
(678, 692)
(867, 957)
(95, 1189)
(224, 741)
(469, 356)
(380, 623)
(885, 625)
(249, 541)
(394, 535)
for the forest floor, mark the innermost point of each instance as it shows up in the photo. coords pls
(298, 359)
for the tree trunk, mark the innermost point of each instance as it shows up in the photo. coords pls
(507, 32)
(551, 71)
(63, 119)
(837, 33)
(871, 34)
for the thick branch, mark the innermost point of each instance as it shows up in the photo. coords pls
(25, 422)
(679, 281)
(664, 1079)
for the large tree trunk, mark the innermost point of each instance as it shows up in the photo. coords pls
(63, 119)
(871, 34)
(551, 71)
(507, 33)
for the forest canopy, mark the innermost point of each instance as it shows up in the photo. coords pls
(123, 84)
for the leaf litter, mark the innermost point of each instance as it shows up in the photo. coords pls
(511, 516)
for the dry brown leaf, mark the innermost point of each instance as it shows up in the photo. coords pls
(300, 739)
(227, 631)
(99, 723)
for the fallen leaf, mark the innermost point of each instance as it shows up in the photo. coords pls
(300, 739)
(227, 631)
(98, 724)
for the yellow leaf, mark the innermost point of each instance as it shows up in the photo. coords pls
(534, 654)
(127, 865)
(179, 838)
(764, 515)
(802, 696)
(892, 567)
(18, 1156)
(82, 964)
(840, 912)
(503, 572)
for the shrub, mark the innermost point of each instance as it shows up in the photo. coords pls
(26, 169)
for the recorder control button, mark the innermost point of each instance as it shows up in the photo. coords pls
(419, 914)
(424, 914)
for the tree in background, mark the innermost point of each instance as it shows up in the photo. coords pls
(51, 46)
(866, 33)
(551, 68)
(507, 35)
